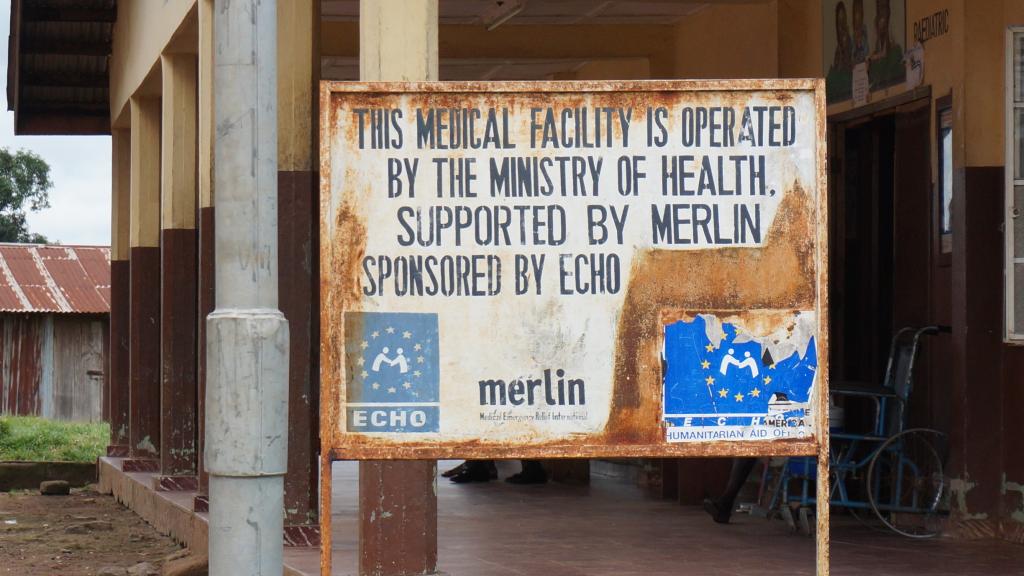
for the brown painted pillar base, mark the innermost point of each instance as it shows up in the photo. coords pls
(206, 306)
(118, 451)
(669, 487)
(700, 478)
(148, 465)
(144, 353)
(175, 484)
(178, 356)
(302, 536)
(118, 397)
(397, 518)
(977, 348)
(298, 299)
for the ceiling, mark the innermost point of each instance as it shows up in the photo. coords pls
(58, 65)
(347, 68)
(549, 12)
(534, 12)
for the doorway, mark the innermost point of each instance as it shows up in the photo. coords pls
(882, 261)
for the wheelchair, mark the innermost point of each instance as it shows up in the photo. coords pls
(890, 471)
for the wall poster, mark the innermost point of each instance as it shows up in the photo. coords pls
(871, 32)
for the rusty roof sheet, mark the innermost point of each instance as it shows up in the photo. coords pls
(62, 279)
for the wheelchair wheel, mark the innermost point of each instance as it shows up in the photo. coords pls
(906, 483)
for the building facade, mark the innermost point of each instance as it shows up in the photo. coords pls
(54, 306)
(925, 133)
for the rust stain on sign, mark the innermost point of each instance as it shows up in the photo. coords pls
(542, 270)
(777, 276)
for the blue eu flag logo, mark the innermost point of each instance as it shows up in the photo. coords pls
(392, 369)
(731, 376)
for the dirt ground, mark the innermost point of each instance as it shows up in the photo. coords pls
(73, 535)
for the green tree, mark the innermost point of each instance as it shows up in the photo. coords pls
(24, 185)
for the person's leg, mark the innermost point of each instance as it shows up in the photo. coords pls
(533, 473)
(721, 508)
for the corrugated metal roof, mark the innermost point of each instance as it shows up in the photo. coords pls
(62, 279)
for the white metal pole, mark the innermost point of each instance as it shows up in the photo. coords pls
(247, 336)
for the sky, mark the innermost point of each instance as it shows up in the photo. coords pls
(80, 169)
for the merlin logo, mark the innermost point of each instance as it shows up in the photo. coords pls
(391, 367)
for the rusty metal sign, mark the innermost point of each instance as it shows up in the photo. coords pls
(573, 269)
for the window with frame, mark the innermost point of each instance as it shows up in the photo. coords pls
(1014, 227)
(944, 135)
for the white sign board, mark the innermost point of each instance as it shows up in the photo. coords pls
(572, 269)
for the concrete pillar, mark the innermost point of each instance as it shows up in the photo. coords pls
(144, 238)
(397, 500)
(178, 287)
(118, 396)
(247, 336)
(205, 250)
(298, 201)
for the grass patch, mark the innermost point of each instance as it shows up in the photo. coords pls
(34, 439)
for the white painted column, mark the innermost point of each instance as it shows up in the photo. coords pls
(247, 338)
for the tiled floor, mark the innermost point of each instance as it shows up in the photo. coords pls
(609, 528)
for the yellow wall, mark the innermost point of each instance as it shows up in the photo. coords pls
(986, 78)
(774, 38)
(984, 37)
(767, 39)
(799, 38)
(728, 41)
(1013, 15)
(298, 70)
(652, 43)
(613, 69)
(143, 29)
(943, 70)
(968, 62)
(734, 40)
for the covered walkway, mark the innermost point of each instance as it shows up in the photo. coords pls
(148, 81)
(611, 529)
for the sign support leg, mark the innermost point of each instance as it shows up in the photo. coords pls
(821, 533)
(326, 485)
(397, 518)
(397, 500)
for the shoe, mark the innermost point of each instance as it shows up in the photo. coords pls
(717, 514)
(472, 474)
(453, 471)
